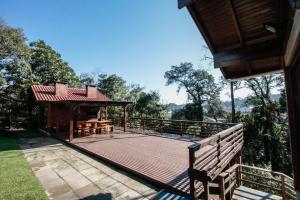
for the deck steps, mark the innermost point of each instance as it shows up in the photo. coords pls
(245, 193)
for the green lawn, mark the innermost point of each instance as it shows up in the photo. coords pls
(17, 181)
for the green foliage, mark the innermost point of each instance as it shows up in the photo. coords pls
(194, 130)
(20, 67)
(198, 84)
(49, 67)
(148, 105)
(87, 79)
(266, 138)
(15, 74)
(215, 108)
(188, 112)
(112, 86)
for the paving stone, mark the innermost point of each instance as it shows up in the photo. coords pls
(49, 184)
(58, 190)
(68, 174)
(89, 171)
(122, 177)
(88, 190)
(66, 196)
(76, 181)
(130, 195)
(96, 176)
(105, 182)
(117, 189)
(66, 171)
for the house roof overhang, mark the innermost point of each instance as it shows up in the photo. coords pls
(246, 38)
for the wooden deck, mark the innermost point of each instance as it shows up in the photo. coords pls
(162, 160)
(245, 193)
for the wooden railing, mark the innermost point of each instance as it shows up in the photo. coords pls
(257, 178)
(178, 127)
(209, 157)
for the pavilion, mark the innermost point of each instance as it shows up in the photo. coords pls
(62, 106)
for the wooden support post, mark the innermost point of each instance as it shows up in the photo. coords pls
(49, 122)
(192, 187)
(99, 114)
(238, 176)
(57, 126)
(222, 188)
(206, 190)
(106, 112)
(283, 195)
(125, 117)
(292, 81)
(41, 117)
(192, 150)
(71, 124)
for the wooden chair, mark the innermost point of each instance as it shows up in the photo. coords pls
(86, 129)
(79, 130)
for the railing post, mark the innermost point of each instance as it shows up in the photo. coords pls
(222, 188)
(238, 175)
(192, 149)
(181, 129)
(283, 187)
(206, 189)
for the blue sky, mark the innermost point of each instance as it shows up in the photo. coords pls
(137, 39)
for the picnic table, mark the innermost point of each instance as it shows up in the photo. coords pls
(85, 127)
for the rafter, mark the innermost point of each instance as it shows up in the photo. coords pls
(236, 23)
(201, 28)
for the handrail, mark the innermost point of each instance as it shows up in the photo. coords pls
(257, 180)
(179, 127)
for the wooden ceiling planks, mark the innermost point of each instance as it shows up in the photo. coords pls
(236, 35)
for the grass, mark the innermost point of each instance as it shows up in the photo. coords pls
(17, 180)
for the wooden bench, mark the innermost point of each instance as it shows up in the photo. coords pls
(212, 155)
(105, 127)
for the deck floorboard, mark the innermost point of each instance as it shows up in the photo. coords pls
(160, 159)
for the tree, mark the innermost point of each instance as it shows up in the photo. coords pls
(265, 123)
(215, 108)
(86, 79)
(148, 105)
(112, 86)
(49, 67)
(199, 85)
(15, 74)
(134, 93)
(233, 85)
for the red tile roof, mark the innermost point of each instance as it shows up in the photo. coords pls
(47, 93)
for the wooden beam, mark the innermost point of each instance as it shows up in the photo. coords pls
(201, 28)
(292, 74)
(236, 23)
(183, 3)
(125, 117)
(71, 123)
(106, 112)
(49, 121)
(268, 49)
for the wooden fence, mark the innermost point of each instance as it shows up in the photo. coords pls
(178, 127)
(257, 178)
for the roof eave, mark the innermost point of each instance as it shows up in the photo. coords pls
(184, 3)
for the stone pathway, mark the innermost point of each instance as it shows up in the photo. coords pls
(68, 174)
